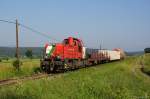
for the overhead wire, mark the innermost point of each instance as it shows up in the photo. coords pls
(31, 29)
(40, 33)
(7, 21)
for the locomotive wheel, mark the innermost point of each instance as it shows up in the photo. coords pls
(50, 67)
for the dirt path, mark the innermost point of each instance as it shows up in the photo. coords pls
(26, 78)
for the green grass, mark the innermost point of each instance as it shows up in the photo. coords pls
(8, 71)
(116, 80)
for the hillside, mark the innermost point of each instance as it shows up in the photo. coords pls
(116, 80)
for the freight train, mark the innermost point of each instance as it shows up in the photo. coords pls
(71, 54)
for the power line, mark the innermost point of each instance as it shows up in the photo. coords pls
(31, 29)
(7, 21)
(35, 31)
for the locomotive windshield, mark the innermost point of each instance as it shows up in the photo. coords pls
(65, 41)
(76, 42)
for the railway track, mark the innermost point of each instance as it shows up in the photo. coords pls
(13, 81)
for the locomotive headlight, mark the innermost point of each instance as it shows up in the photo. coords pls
(46, 56)
(58, 57)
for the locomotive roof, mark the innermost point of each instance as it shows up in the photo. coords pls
(79, 40)
(73, 38)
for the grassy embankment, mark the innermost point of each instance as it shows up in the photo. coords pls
(8, 71)
(116, 80)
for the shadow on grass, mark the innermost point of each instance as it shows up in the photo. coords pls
(12, 96)
(7, 94)
(145, 72)
(37, 70)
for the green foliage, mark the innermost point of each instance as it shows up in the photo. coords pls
(29, 53)
(37, 70)
(17, 64)
(15, 55)
(6, 58)
(3, 59)
(147, 50)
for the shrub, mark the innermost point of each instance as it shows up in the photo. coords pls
(29, 53)
(17, 64)
(147, 50)
(6, 58)
(37, 70)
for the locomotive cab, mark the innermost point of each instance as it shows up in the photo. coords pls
(62, 55)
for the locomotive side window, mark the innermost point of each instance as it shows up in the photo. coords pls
(75, 42)
(80, 47)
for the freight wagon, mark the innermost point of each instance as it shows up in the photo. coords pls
(113, 55)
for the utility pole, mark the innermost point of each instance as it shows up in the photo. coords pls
(17, 43)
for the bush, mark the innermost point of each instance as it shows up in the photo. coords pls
(0, 60)
(37, 70)
(6, 58)
(29, 53)
(147, 50)
(17, 64)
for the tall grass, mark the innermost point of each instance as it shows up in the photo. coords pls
(8, 71)
(115, 80)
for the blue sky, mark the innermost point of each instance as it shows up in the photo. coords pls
(111, 23)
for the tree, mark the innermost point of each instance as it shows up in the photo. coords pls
(147, 50)
(29, 53)
(6, 58)
(15, 55)
(17, 64)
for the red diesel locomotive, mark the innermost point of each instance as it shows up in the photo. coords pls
(71, 54)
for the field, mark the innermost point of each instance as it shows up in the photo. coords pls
(115, 80)
(27, 68)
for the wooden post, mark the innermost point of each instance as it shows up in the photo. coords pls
(17, 43)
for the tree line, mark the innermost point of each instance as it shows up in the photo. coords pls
(147, 50)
